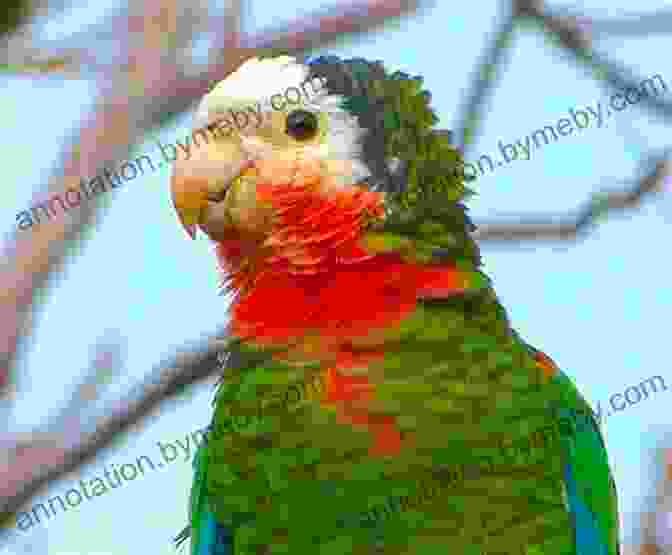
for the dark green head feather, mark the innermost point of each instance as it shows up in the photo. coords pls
(417, 167)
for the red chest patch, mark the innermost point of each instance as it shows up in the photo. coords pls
(310, 273)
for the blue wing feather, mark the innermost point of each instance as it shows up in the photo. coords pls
(591, 493)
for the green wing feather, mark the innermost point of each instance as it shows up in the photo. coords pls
(586, 456)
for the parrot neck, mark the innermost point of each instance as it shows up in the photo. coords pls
(317, 272)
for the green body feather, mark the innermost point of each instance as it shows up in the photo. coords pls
(464, 387)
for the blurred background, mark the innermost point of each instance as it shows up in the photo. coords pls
(105, 309)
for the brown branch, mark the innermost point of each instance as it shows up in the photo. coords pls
(19, 55)
(26, 472)
(483, 82)
(573, 34)
(631, 25)
(570, 227)
(106, 363)
(325, 27)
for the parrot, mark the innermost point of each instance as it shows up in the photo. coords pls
(336, 210)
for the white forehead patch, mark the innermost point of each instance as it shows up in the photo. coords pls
(260, 81)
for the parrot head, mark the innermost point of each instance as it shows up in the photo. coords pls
(300, 158)
(293, 133)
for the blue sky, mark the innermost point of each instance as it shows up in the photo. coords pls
(599, 307)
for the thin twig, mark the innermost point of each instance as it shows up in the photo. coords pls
(631, 25)
(568, 227)
(483, 83)
(26, 471)
(107, 363)
(575, 38)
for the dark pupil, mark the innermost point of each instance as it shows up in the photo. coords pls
(301, 124)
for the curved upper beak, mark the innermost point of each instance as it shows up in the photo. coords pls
(202, 177)
(189, 199)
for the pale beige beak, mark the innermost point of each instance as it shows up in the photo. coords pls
(189, 199)
(205, 175)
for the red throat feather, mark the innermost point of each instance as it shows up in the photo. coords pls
(310, 272)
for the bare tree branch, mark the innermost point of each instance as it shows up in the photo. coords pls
(483, 83)
(574, 33)
(568, 227)
(575, 38)
(326, 27)
(20, 53)
(26, 472)
(629, 25)
(106, 363)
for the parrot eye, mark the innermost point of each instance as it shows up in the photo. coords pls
(301, 125)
